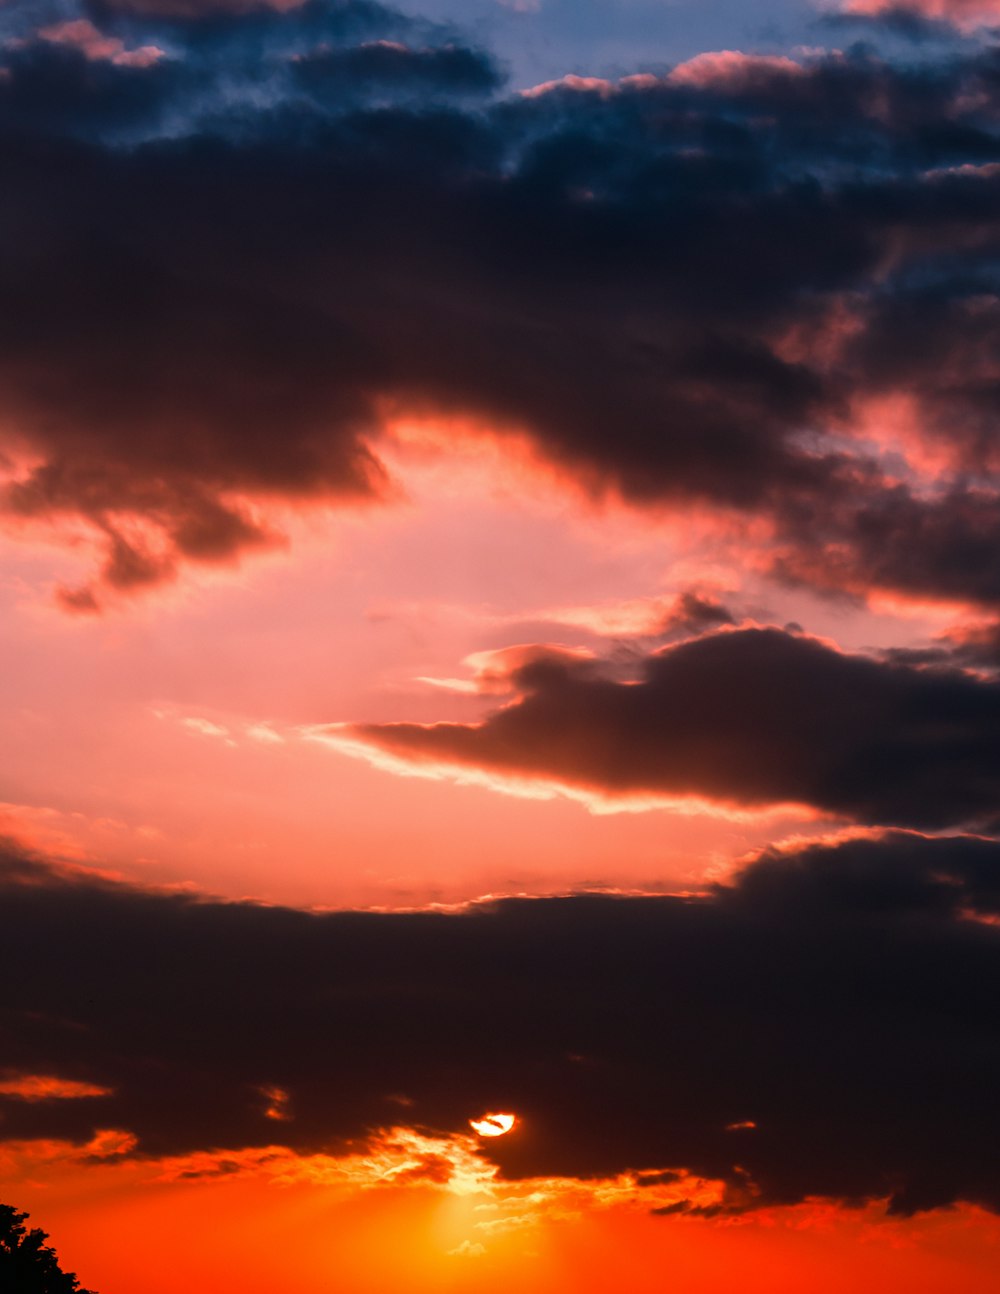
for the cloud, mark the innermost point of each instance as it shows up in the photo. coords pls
(695, 613)
(752, 717)
(891, 539)
(733, 70)
(963, 13)
(216, 303)
(841, 999)
(42, 1087)
(85, 36)
(75, 79)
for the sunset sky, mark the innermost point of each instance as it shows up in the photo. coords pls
(500, 576)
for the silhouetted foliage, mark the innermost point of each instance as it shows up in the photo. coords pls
(27, 1264)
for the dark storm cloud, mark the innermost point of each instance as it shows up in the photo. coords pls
(843, 999)
(219, 270)
(753, 717)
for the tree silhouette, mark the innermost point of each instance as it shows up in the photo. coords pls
(27, 1264)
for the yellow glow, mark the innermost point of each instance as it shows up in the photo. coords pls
(493, 1125)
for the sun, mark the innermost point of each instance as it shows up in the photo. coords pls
(493, 1125)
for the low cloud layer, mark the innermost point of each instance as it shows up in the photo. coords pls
(753, 717)
(240, 239)
(842, 999)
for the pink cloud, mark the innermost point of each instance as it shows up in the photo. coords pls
(965, 13)
(592, 84)
(95, 45)
(729, 69)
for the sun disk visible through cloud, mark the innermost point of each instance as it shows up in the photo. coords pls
(493, 1125)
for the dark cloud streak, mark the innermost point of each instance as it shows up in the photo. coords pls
(754, 717)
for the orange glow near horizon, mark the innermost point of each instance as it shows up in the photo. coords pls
(298, 1225)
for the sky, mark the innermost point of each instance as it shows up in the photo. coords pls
(500, 667)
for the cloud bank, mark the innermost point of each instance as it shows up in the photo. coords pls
(841, 999)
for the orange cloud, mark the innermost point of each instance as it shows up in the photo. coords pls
(30, 1156)
(404, 1157)
(42, 1087)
